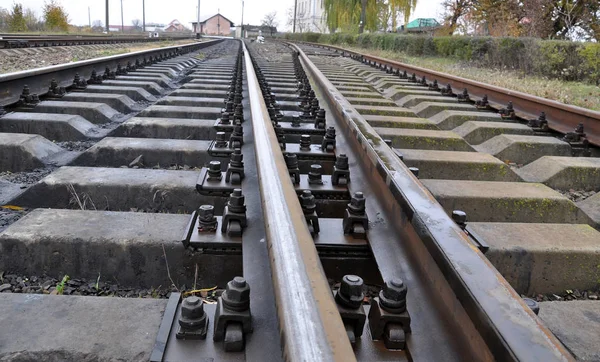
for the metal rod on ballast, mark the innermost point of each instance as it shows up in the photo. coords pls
(295, 10)
(122, 24)
(107, 29)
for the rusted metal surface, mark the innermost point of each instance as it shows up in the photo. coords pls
(39, 79)
(510, 329)
(310, 325)
(561, 117)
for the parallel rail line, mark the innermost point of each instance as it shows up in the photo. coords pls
(12, 41)
(561, 117)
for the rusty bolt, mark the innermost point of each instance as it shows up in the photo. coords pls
(307, 201)
(460, 218)
(393, 296)
(192, 313)
(206, 212)
(214, 171)
(357, 204)
(236, 296)
(341, 162)
(351, 291)
(314, 176)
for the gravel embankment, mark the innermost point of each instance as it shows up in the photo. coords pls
(30, 58)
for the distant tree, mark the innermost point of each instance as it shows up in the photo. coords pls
(97, 26)
(270, 21)
(4, 19)
(17, 20)
(55, 16)
(137, 25)
(453, 11)
(32, 20)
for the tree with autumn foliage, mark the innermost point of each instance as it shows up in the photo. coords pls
(55, 16)
(16, 21)
(546, 19)
(371, 15)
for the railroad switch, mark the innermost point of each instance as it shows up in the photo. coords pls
(328, 143)
(388, 317)
(79, 83)
(341, 171)
(95, 78)
(309, 208)
(235, 169)
(233, 319)
(55, 91)
(349, 299)
(234, 216)
(508, 112)
(28, 99)
(193, 321)
(356, 221)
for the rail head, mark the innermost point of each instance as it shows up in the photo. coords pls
(561, 117)
(506, 324)
(310, 325)
(39, 79)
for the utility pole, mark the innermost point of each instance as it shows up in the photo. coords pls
(295, 10)
(198, 29)
(143, 16)
(89, 18)
(122, 24)
(107, 30)
(242, 19)
(218, 22)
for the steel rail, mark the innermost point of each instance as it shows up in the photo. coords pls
(310, 325)
(39, 79)
(509, 328)
(28, 41)
(561, 117)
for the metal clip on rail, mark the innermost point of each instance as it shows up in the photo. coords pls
(233, 319)
(388, 317)
(349, 299)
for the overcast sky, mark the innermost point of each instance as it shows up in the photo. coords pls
(163, 11)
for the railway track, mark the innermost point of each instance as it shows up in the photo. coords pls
(287, 166)
(15, 41)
